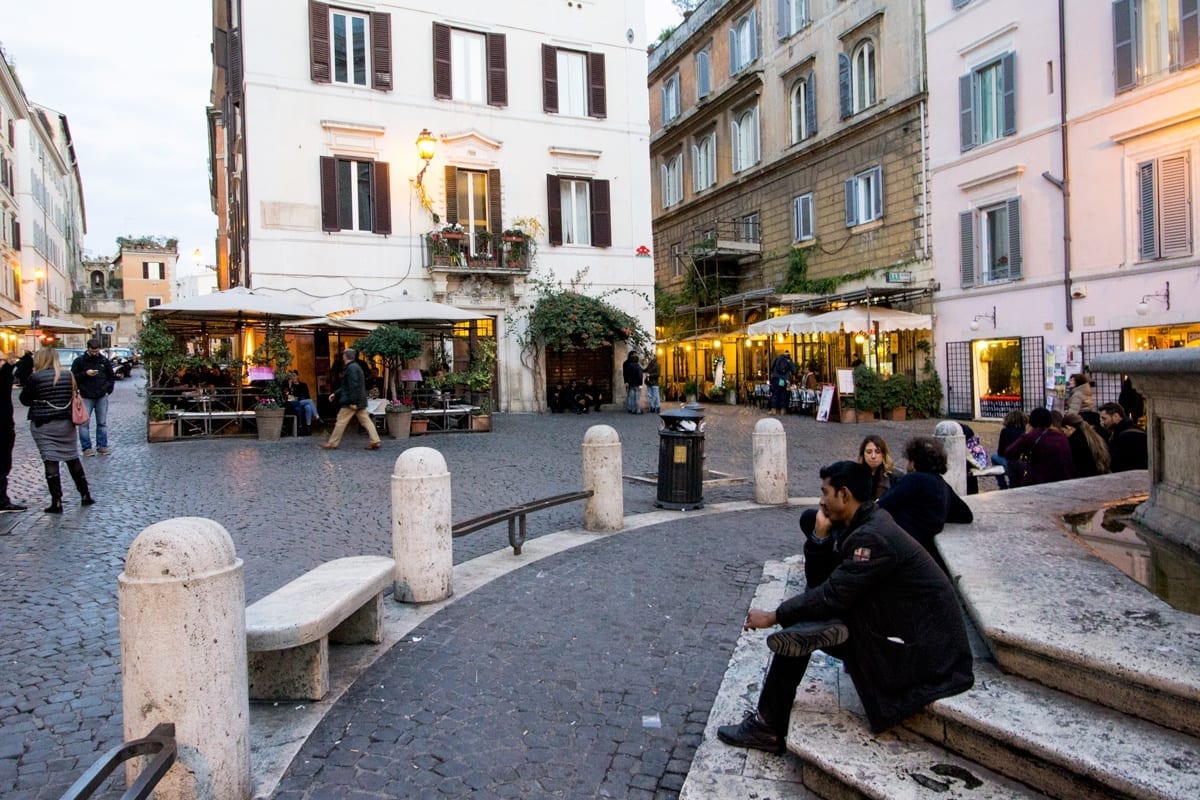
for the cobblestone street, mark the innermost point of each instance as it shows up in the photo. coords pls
(534, 686)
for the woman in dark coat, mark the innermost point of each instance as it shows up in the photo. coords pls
(875, 454)
(1089, 451)
(48, 394)
(1048, 454)
(922, 502)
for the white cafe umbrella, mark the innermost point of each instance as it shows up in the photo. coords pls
(238, 301)
(788, 323)
(411, 310)
(47, 324)
(862, 318)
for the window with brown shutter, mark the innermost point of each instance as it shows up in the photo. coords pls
(381, 51)
(381, 199)
(329, 194)
(441, 62)
(550, 79)
(233, 82)
(495, 221)
(597, 94)
(497, 68)
(601, 214)
(318, 47)
(554, 210)
(451, 195)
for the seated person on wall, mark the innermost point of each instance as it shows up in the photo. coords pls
(556, 398)
(922, 502)
(1046, 450)
(581, 401)
(1126, 441)
(593, 391)
(875, 600)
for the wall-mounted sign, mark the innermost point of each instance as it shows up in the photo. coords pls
(110, 329)
(897, 276)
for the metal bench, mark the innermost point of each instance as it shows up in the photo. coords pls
(288, 631)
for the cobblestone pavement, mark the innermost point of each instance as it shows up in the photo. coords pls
(498, 695)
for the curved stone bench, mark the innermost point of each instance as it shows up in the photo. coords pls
(288, 631)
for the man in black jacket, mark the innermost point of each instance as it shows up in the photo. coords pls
(95, 378)
(1126, 441)
(876, 600)
(352, 396)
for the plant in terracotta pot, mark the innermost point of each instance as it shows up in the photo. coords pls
(897, 396)
(480, 378)
(398, 414)
(394, 345)
(159, 428)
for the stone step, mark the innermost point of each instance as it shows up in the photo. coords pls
(841, 758)
(1053, 612)
(1064, 746)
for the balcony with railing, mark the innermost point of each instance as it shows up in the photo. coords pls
(458, 251)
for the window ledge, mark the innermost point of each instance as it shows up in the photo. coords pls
(1008, 173)
(804, 244)
(864, 227)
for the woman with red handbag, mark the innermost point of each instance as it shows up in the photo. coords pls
(50, 393)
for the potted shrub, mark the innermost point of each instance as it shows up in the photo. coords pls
(394, 345)
(690, 390)
(268, 417)
(418, 426)
(159, 428)
(897, 395)
(868, 389)
(481, 417)
(398, 414)
(479, 380)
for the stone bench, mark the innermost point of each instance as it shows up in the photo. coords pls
(288, 631)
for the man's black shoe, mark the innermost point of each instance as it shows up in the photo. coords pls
(803, 638)
(8, 505)
(752, 733)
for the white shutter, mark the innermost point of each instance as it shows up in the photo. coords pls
(1174, 207)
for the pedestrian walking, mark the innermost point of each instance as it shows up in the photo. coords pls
(631, 372)
(351, 395)
(95, 378)
(875, 600)
(8, 431)
(48, 394)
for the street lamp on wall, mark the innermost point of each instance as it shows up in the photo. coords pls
(1143, 308)
(992, 316)
(426, 145)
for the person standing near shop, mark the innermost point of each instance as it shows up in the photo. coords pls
(631, 371)
(782, 370)
(95, 378)
(8, 431)
(651, 373)
(48, 395)
(352, 396)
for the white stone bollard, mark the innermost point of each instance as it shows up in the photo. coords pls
(182, 607)
(770, 462)
(605, 509)
(950, 434)
(422, 537)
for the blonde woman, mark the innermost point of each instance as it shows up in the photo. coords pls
(874, 453)
(48, 395)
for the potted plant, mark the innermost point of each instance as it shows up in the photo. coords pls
(268, 417)
(868, 388)
(418, 426)
(897, 395)
(690, 390)
(480, 378)
(398, 414)
(159, 428)
(394, 345)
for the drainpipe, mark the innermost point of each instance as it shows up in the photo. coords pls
(1064, 185)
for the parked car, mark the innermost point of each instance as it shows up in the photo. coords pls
(67, 355)
(122, 360)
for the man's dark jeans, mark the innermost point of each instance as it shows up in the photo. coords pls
(779, 689)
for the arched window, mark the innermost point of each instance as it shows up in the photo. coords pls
(745, 139)
(802, 109)
(862, 68)
(97, 279)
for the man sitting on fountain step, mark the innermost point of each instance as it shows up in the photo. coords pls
(876, 600)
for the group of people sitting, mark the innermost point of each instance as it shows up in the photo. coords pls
(577, 397)
(1083, 441)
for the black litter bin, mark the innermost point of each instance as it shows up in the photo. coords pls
(681, 460)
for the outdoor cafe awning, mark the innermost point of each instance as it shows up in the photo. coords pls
(788, 324)
(53, 324)
(864, 319)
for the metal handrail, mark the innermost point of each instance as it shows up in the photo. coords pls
(515, 516)
(159, 743)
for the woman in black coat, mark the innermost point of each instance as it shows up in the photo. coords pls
(922, 502)
(1047, 452)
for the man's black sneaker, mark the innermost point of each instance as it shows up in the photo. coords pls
(752, 733)
(803, 638)
(10, 506)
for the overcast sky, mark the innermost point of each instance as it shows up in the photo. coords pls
(133, 78)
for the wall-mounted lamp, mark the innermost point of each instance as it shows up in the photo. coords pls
(425, 148)
(992, 316)
(1143, 308)
(716, 344)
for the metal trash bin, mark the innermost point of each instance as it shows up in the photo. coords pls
(681, 459)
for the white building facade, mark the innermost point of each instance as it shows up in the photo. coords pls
(537, 111)
(1062, 198)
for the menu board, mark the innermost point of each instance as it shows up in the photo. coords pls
(845, 380)
(826, 402)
